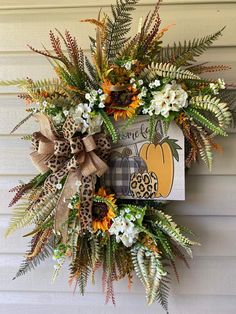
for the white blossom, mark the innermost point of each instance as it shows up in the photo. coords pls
(44, 104)
(128, 65)
(155, 84)
(140, 82)
(66, 112)
(59, 186)
(171, 98)
(58, 118)
(124, 230)
(101, 105)
(221, 83)
(70, 206)
(214, 87)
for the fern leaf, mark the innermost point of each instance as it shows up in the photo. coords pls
(118, 26)
(31, 263)
(167, 70)
(22, 122)
(205, 122)
(17, 82)
(149, 269)
(109, 126)
(184, 54)
(219, 109)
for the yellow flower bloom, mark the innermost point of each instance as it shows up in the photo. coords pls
(102, 213)
(121, 103)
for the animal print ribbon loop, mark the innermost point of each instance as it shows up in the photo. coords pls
(73, 155)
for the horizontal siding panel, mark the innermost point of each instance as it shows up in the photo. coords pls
(25, 4)
(217, 195)
(60, 303)
(186, 17)
(207, 195)
(208, 229)
(206, 276)
(15, 159)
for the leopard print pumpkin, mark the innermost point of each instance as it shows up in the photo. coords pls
(143, 185)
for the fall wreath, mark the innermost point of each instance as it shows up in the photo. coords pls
(95, 207)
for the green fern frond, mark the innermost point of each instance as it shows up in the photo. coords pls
(109, 126)
(184, 54)
(167, 70)
(197, 116)
(118, 26)
(163, 293)
(17, 82)
(109, 274)
(149, 269)
(167, 225)
(30, 264)
(214, 105)
(20, 218)
(25, 213)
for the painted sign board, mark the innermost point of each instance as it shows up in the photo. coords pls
(142, 170)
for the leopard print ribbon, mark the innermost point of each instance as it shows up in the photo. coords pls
(80, 158)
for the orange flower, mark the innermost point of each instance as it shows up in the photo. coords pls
(103, 212)
(106, 86)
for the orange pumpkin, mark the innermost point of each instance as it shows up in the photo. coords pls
(159, 159)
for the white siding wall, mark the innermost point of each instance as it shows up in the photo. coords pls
(210, 209)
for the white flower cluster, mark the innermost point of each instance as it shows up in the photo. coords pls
(96, 97)
(88, 122)
(215, 87)
(83, 112)
(171, 98)
(154, 84)
(124, 227)
(136, 84)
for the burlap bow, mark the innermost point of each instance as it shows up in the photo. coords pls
(75, 156)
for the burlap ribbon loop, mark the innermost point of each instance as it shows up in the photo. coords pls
(64, 154)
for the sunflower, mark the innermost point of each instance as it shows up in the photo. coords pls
(103, 210)
(120, 102)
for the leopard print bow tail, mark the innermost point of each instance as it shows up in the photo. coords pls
(86, 202)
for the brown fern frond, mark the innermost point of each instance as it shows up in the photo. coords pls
(44, 53)
(209, 69)
(153, 33)
(150, 18)
(20, 190)
(73, 48)
(191, 156)
(22, 122)
(41, 239)
(56, 45)
(25, 96)
(98, 23)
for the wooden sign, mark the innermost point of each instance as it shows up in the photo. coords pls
(142, 170)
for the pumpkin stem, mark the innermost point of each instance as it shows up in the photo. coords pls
(157, 138)
(126, 152)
